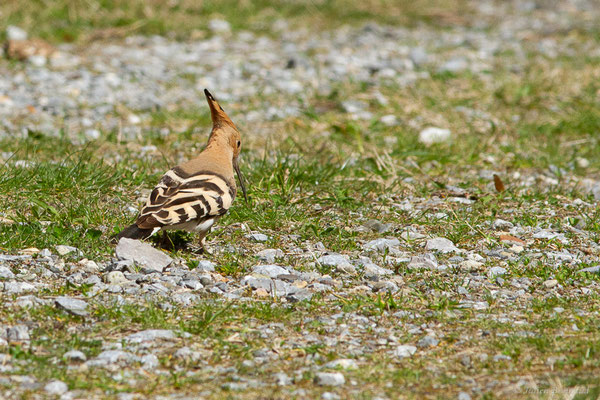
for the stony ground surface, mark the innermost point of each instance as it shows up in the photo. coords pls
(415, 276)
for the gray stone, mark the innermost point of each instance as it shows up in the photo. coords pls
(64, 250)
(594, 269)
(205, 266)
(346, 268)
(150, 335)
(150, 361)
(502, 224)
(192, 284)
(6, 273)
(455, 65)
(143, 254)
(18, 287)
(381, 244)
(418, 56)
(373, 224)
(343, 363)
(271, 271)
(428, 341)
(7, 257)
(15, 33)
(111, 357)
(441, 245)
(116, 278)
(370, 270)
(74, 356)
(425, 261)
(299, 295)
(501, 357)
(219, 25)
(329, 379)
(404, 351)
(282, 379)
(269, 255)
(333, 260)
(18, 334)
(73, 306)
(464, 396)
(56, 388)
(496, 271)
(257, 237)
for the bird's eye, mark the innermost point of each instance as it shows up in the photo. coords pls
(239, 143)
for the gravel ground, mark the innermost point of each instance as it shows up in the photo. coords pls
(89, 91)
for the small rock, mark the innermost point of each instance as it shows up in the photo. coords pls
(150, 335)
(205, 266)
(372, 270)
(550, 283)
(425, 261)
(329, 379)
(389, 120)
(418, 56)
(272, 271)
(343, 363)
(18, 287)
(74, 356)
(282, 379)
(502, 224)
(464, 396)
(440, 244)
(381, 244)
(346, 268)
(6, 273)
(73, 306)
(499, 357)
(18, 334)
(582, 162)
(64, 250)
(56, 388)
(462, 291)
(115, 278)
(143, 254)
(470, 265)
(269, 255)
(403, 351)
(431, 135)
(15, 33)
(150, 361)
(454, 65)
(594, 269)
(496, 271)
(377, 226)
(257, 237)
(428, 341)
(333, 260)
(217, 25)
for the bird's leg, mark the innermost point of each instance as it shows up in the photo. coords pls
(165, 241)
(202, 243)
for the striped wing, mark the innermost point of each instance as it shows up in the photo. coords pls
(180, 198)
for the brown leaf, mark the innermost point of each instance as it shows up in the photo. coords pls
(498, 184)
(512, 239)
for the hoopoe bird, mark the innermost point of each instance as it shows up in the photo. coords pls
(194, 195)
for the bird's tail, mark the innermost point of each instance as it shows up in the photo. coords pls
(133, 232)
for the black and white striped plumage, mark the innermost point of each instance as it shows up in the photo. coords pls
(194, 195)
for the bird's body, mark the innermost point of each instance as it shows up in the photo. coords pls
(194, 195)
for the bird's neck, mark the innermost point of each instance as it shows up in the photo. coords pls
(218, 146)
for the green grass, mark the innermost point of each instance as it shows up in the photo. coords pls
(60, 21)
(307, 187)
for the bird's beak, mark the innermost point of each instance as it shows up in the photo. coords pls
(240, 178)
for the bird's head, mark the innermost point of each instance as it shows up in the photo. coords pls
(225, 133)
